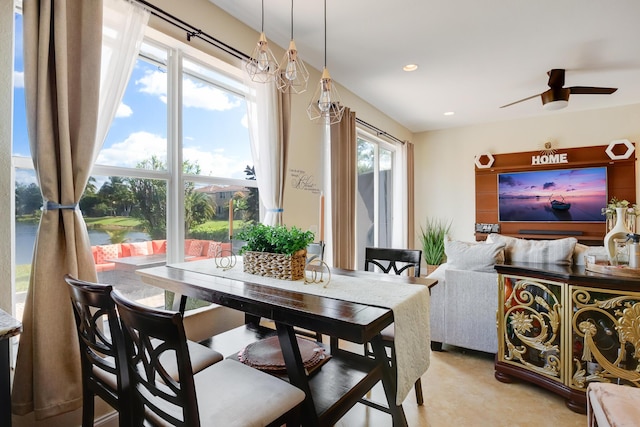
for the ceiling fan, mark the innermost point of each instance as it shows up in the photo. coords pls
(557, 96)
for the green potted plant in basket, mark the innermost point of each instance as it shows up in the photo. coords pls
(432, 239)
(274, 251)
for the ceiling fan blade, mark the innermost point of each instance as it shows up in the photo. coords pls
(588, 90)
(524, 99)
(556, 77)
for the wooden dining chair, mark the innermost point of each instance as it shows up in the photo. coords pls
(227, 393)
(102, 353)
(102, 357)
(394, 261)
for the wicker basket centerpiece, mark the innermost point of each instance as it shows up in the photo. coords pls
(279, 266)
(274, 251)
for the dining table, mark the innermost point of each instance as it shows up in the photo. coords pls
(353, 306)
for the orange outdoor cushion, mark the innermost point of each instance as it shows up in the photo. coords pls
(195, 249)
(106, 252)
(159, 246)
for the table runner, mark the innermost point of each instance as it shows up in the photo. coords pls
(409, 303)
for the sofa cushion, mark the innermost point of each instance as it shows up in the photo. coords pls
(195, 248)
(159, 246)
(473, 256)
(559, 251)
(214, 250)
(105, 252)
(138, 248)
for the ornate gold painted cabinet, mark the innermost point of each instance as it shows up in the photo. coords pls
(563, 327)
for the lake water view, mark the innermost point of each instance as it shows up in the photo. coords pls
(582, 209)
(26, 236)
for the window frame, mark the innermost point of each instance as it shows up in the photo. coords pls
(397, 200)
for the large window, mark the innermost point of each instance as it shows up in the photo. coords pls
(177, 153)
(375, 196)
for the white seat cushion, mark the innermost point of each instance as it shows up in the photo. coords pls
(231, 394)
(201, 357)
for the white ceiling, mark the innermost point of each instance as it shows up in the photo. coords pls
(473, 56)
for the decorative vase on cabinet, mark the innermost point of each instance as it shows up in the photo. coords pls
(619, 231)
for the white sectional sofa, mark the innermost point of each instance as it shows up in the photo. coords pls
(465, 300)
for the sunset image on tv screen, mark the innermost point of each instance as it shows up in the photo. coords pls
(553, 195)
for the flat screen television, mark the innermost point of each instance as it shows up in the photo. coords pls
(558, 195)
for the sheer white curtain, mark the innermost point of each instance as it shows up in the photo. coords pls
(267, 112)
(124, 23)
(400, 208)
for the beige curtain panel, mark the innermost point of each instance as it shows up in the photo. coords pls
(343, 190)
(62, 79)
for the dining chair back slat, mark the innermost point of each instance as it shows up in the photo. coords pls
(396, 260)
(103, 360)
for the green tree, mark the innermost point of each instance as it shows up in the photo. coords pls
(28, 199)
(117, 194)
(150, 197)
(90, 198)
(252, 201)
(198, 209)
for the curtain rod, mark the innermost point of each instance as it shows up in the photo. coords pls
(192, 31)
(379, 132)
(198, 33)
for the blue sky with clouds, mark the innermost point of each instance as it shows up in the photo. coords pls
(215, 133)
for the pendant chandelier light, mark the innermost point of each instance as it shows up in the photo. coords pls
(325, 106)
(294, 77)
(262, 66)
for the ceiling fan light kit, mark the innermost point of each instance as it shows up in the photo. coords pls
(557, 96)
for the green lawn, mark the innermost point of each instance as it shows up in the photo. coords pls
(22, 277)
(112, 221)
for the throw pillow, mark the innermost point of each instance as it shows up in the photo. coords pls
(559, 251)
(215, 250)
(138, 248)
(195, 249)
(159, 246)
(106, 252)
(473, 256)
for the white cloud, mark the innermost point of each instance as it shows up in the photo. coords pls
(124, 110)
(245, 121)
(215, 163)
(140, 146)
(196, 95)
(18, 79)
(154, 83)
(137, 147)
(208, 97)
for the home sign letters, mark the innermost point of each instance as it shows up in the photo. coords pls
(549, 159)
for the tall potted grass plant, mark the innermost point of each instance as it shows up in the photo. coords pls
(432, 238)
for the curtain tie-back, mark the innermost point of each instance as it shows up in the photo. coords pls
(50, 206)
(277, 210)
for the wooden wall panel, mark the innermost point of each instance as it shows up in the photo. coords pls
(621, 183)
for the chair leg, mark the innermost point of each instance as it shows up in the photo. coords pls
(418, 387)
(87, 409)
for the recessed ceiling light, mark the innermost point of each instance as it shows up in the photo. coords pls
(410, 67)
(449, 113)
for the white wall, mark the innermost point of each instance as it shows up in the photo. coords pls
(445, 169)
